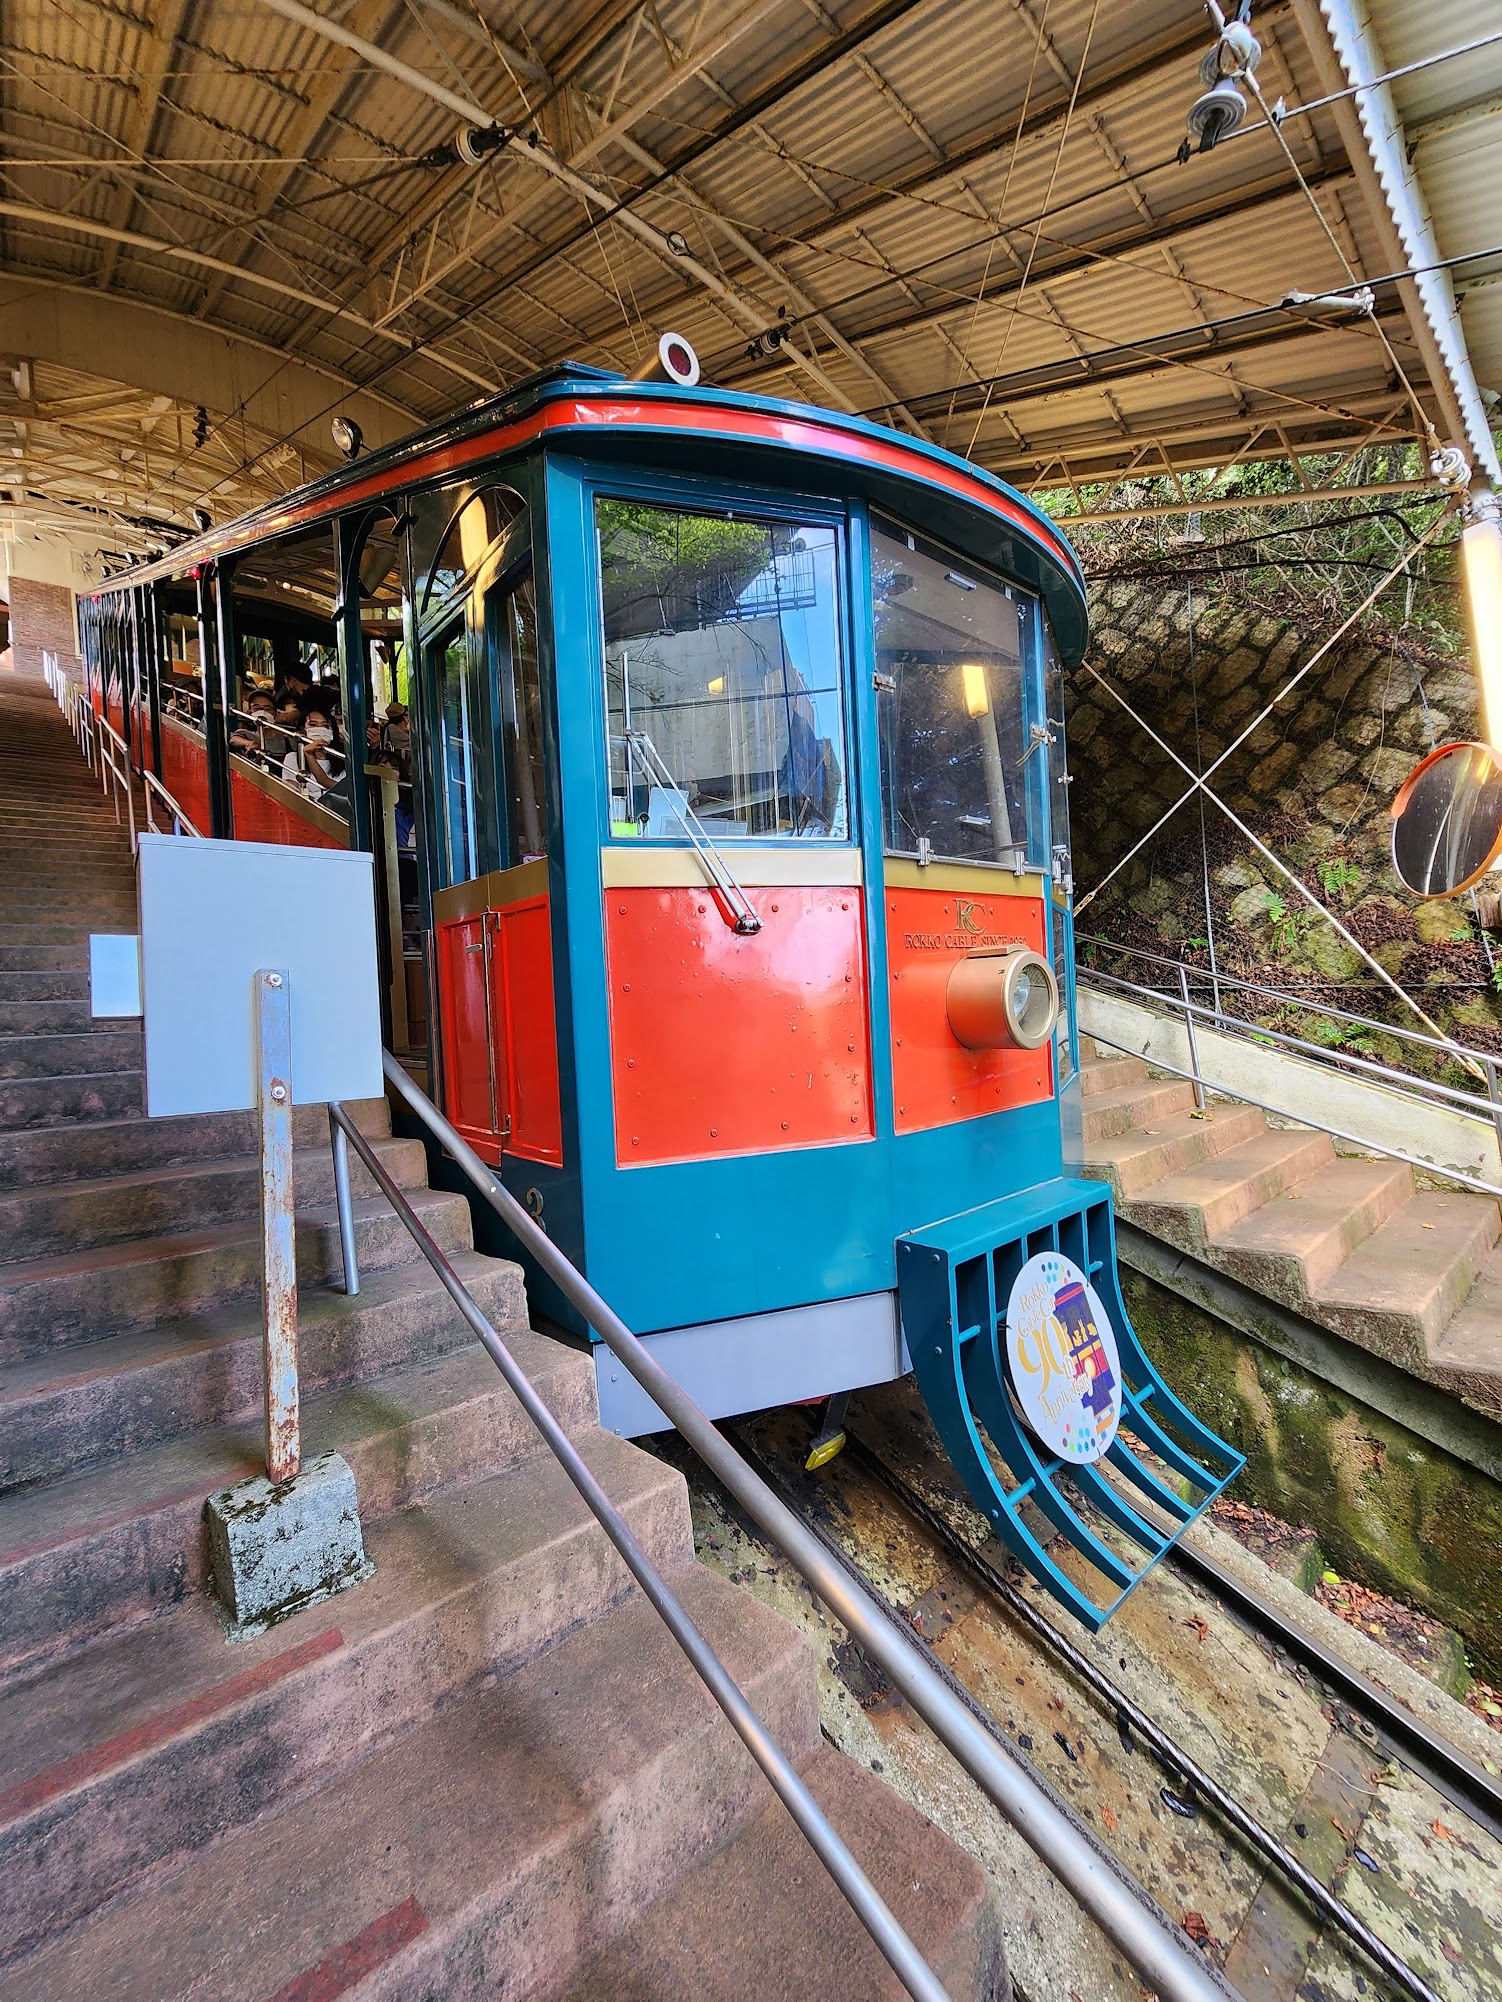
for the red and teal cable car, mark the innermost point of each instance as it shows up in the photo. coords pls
(712, 751)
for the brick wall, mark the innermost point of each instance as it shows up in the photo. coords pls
(41, 620)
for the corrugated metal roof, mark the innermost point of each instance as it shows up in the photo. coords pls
(963, 217)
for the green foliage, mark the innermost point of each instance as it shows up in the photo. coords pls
(1287, 927)
(662, 567)
(1339, 878)
(1305, 557)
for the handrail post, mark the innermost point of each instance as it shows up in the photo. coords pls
(1194, 1055)
(344, 1205)
(278, 1227)
(1490, 1066)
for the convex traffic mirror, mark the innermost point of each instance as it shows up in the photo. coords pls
(1447, 820)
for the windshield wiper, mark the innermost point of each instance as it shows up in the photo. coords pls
(739, 913)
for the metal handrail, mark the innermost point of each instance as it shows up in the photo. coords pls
(863, 1897)
(1289, 997)
(114, 764)
(1480, 1062)
(1302, 1118)
(153, 785)
(1159, 1952)
(1468, 1104)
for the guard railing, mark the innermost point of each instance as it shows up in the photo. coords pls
(1161, 1955)
(1483, 1107)
(105, 752)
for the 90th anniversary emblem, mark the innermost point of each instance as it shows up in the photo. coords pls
(1062, 1359)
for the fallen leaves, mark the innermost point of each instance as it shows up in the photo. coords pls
(1108, 1816)
(1200, 1628)
(1444, 1834)
(1199, 1931)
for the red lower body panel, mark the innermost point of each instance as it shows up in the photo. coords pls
(935, 1079)
(726, 1044)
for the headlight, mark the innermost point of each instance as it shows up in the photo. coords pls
(1003, 997)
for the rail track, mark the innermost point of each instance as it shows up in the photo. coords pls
(1368, 1709)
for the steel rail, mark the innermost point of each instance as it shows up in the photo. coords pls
(1169, 1750)
(1449, 1770)
(1159, 1952)
(862, 1896)
(1303, 1119)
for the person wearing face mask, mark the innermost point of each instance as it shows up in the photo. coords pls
(321, 763)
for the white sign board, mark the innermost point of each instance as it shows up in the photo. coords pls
(1062, 1359)
(213, 914)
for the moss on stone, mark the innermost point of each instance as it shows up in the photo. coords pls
(1390, 1509)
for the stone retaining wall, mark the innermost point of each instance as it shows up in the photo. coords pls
(1315, 781)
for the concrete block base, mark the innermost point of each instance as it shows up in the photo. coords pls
(275, 1549)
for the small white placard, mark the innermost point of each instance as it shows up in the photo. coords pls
(213, 914)
(114, 973)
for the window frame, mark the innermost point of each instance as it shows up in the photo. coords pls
(1031, 609)
(499, 568)
(732, 500)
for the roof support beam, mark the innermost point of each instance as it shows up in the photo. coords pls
(372, 17)
(470, 114)
(163, 36)
(164, 353)
(1098, 368)
(1241, 205)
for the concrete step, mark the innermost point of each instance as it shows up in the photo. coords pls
(66, 1302)
(45, 984)
(733, 1927)
(59, 1101)
(1466, 1357)
(1110, 1073)
(117, 1543)
(1396, 1293)
(1190, 1208)
(53, 958)
(52, 1154)
(74, 1407)
(51, 1015)
(66, 1217)
(470, 1583)
(69, 930)
(500, 1843)
(1109, 1113)
(1132, 1161)
(1291, 1246)
(71, 1055)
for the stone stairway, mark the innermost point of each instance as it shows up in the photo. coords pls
(485, 1771)
(1414, 1275)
